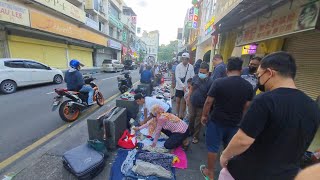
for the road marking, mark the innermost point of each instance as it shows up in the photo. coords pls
(109, 78)
(47, 137)
(50, 92)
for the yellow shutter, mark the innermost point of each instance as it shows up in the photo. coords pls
(84, 55)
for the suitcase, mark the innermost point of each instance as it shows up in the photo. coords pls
(131, 106)
(115, 126)
(83, 162)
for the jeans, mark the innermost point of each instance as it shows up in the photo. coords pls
(88, 89)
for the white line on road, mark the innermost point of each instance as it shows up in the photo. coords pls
(50, 92)
(109, 78)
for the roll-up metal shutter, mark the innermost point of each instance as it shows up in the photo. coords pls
(306, 50)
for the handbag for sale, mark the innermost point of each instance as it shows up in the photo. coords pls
(127, 141)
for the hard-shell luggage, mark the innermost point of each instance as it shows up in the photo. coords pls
(84, 162)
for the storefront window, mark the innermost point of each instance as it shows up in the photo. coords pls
(114, 12)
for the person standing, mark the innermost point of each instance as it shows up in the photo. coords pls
(231, 97)
(197, 66)
(249, 73)
(278, 127)
(220, 69)
(183, 72)
(201, 84)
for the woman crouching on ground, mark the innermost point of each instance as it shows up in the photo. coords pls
(170, 125)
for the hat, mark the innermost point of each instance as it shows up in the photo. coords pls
(186, 55)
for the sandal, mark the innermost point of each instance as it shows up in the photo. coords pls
(202, 167)
(195, 140)
(186, 144)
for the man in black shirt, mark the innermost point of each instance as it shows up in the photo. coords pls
(231, 97)
(278, 127)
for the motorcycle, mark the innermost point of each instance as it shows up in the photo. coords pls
(70, 109)
(124, 83)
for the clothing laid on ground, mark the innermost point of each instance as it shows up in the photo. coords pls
(150, 102)
(200, 88)
(147, 169)
(230, 95)
(283, 123)
(74, 80)
(146, 76)
(219, 71)
(181, 72)
(163, 160)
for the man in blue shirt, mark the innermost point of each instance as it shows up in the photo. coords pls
(75, 81)
(220, 69)
(249, 73)
(146, 75)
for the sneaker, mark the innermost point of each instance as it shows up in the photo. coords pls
(93, 103)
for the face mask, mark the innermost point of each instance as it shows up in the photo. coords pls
(260, 86)
(202, 76)
(252, 69)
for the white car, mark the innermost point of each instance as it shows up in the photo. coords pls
(23, 72)
(111, 65)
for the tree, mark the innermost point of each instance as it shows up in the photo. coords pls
(166, 52)
(141, 55)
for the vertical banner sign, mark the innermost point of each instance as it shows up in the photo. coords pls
(195, 18)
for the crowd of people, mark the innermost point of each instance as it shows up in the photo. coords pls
(257, 114)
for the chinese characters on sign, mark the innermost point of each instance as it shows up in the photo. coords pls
(284, 20)
(14, 13)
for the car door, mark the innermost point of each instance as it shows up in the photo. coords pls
(39, 72)
(17, 71)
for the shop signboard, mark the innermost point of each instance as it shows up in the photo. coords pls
(209, 27)
(223, 7)
(114, 44)
(193, 18)
(290, 18)
(57, 26)
(93, 24)
(65, 8)
(249, 49)
(13, 13)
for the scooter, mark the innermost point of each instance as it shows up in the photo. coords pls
(124, 83)
(70, 109)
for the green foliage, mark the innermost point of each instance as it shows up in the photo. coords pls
(142, 55)
(166, 52)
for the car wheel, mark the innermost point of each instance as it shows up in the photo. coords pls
(57, 79)
(8, 87)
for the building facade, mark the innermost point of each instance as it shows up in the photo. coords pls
(54, 32)
(152, 41)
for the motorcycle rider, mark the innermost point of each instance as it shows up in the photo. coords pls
(75, 81)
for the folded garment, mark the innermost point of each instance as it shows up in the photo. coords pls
(128, 162)
(163, 160)
(155, 149)
(147, 169)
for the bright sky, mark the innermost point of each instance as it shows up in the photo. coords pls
(163, 15)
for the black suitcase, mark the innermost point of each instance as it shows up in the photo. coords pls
(83, 162)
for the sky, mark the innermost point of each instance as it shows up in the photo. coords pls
(163, 15)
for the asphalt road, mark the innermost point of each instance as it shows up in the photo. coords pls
(26, 115)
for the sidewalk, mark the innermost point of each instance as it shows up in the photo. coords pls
(45, 163)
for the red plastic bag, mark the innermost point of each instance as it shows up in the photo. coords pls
(127, 140)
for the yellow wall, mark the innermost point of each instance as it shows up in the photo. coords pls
(228, 45)
(270, 46)
(50, 53)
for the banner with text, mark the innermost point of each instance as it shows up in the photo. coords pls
(14, 13)
(299, 16)
(50, 24)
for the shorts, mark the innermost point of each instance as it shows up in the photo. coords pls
(216, 134)
(179, 93)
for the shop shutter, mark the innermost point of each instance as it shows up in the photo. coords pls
(82, 54)
(305, 48)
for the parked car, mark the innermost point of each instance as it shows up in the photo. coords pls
(128, 65)
(134, 65)
(23, 72)
(112, 65)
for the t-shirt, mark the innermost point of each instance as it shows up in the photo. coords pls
(283, 123)
(146, 76)
(150, 102)
(220, 71)
(251, 78)
(200, 91)
(230, 95)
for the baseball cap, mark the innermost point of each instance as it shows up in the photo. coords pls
(185, 55)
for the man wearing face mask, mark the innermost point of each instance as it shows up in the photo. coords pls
(201, 84)
(278, 127)
(249, 73)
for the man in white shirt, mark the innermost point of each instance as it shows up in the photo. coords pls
(184, 71)
(148, 103)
